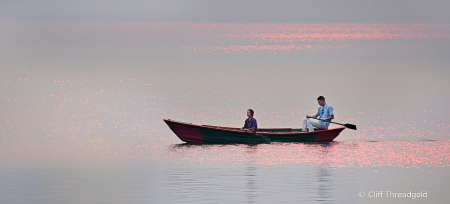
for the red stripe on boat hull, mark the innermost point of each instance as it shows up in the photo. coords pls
(328, 135)
(184, 132)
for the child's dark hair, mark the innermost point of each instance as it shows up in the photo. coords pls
(251, 111)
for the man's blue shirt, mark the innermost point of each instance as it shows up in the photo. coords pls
(325, 112)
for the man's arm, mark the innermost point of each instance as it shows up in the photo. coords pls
(330, 112)
(312, 116)
(328, 119)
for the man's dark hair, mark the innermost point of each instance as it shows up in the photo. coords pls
(321, 98)
(251, 111)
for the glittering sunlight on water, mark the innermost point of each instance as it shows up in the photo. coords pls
(405, 154)
(217, 37)
(81, 109)
(122, 118)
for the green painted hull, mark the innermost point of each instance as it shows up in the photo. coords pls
(222, 137)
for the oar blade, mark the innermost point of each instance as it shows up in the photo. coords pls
(350, 126)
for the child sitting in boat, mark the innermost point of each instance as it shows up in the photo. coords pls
(250, 122)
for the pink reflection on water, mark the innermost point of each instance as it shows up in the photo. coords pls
(221, 37)
(403, 154)
(274, 38)
(281, 32)
(122, 118)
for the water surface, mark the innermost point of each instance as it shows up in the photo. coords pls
(81, 109)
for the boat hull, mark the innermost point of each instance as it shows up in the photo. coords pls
(192, 133)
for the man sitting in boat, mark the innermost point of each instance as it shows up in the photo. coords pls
(250, 122)
(324, 114)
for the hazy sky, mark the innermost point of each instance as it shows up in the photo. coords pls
(317, 11)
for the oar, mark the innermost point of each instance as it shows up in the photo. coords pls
(349, 126)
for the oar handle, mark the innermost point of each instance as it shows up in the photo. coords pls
(327, 121)
(337, 123)
(350, 126)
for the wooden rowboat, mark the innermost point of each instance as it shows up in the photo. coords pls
(192, 133)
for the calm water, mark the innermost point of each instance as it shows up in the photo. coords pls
(81, 109)
(335, 172)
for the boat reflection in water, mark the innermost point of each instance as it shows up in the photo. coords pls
(246, 178)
